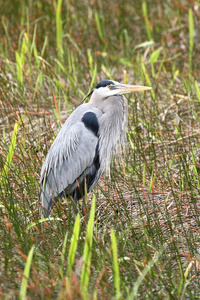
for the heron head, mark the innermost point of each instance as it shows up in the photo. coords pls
(107, 88)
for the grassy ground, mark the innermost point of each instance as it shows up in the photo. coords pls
(141, 240)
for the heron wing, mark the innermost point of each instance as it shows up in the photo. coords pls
(72, 156)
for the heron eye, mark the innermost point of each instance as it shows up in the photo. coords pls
(110, 86)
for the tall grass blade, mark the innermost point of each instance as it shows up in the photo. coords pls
(93, 68)
(34, 48)
(71, 79)
(74, 43)
(94, 73)
(145, 271)
(195, 172)
(19, 66)
(10, 153)
(63, 255)
(130, 140)
(169, 166)
(24, 48)
(90, 59)
(44, 46)
(191, 36)
(99, 29)
(87, 252)
(23, 288)
(59, 30)
(107, 71)
(73, 245)
(147, 23)
(33, 224)
(198, 91)
(148, 81)
(151, 185)
(144, 45)
(144, 175)
(154, 55)
(116, 276)
(20, 59)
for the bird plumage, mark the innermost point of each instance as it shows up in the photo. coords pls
(84, 145)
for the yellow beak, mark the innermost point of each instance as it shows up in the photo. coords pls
(125, 88)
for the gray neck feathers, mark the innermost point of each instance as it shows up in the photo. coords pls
(113, 124)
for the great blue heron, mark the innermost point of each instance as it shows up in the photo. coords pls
(83, 147)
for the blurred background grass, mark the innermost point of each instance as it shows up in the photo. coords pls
(146, 225)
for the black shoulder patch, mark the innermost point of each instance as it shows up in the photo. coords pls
(91, 122)
(103, 83)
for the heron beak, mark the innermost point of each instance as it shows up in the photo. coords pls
(125, 88)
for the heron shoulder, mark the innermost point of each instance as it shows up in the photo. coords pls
(77, 129)
(91, 122)
(79, 112)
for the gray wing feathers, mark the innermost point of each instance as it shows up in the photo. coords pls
(73, 150)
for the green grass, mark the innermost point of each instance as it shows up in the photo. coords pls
(140, 237)
(25, 278)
